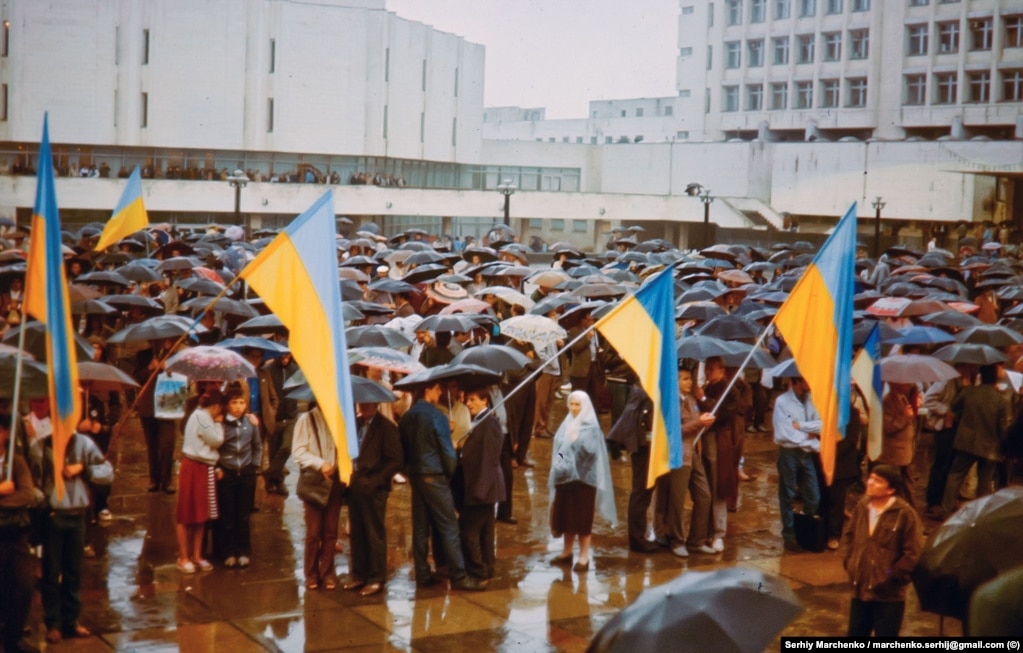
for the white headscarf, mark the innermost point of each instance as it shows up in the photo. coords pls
(582, 435)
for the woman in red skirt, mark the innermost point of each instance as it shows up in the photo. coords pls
(197, 495)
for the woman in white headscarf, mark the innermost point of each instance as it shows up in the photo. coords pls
(580, 480)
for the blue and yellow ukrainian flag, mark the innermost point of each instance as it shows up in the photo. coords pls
(817, 324)
(46, 299)
(129, 216)
(866, 373)
(642, 329)
(296, 275)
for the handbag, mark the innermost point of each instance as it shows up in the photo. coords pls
(811, 532)
(313, 487)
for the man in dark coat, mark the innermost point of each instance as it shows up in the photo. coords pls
(632, 431)
(380, 458)
(484, 486)
(17, 564)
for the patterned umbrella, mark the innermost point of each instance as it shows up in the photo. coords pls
(385, 359)
(208, 363)
(538, 330)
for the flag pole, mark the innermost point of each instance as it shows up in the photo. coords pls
(20, 357)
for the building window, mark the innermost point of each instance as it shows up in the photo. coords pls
(833, 7)
(145, 47)
(832, 46)
(758, 11)
(273, 55)
(608, 140)
(779, 96)
(424, 74)
(639, 112)
(706, 100)
(733, 54)
(422, 126)
(685, 52)
(981, 33)
(807, 8)
(782, 9)
(669, 111)
(829, 93)
(682, 134)
(385, 121)
(1012, 85)
(857, 92)
(270, 115)
(735, 12)
(3, 102)
(710, 14)
(948, 37)
(756, 53)
(1013, 32)
(710, 56)
(593, 140)
(454, 132)
(558, 224)
(144, 118)
(917, 39)
(781, 50)
(919, 3)
(945, 87)
(456, 81)
(916, 90)
(5, 47)
(980, 87)
(859, 43)
(754, 97)
(579, 226)
(688, 9)
(682, 92)
(731, 98)
(861, 5)
(564, 139)
(804, 43)
(387, 64)
(804, 95)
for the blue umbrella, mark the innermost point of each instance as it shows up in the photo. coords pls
(922, 335)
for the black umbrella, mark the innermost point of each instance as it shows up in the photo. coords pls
(92, 307)
(484, 254)
(265, 324)
(375, 336)
(364, 391)
(200, 286)
(139, 273)
(427, 272)
(989, 334)
(703, 310)
(392, 286)
(103, 277)
(703, 347)
(364, 308)
(125, 302)
(862, 331)
(177, 263)
(466, 374)
(976, 354)
(222, 305)
(552, 302)
(730, 327)
(34, 380)
(953, 319)
(727, 610)
(157, 328)
(100, 377)
(974, 545)
(498, 358)
(35, 341)
(455, 322)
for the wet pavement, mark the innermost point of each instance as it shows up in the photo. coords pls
(135, 599)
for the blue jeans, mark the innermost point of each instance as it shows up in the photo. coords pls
(796, 471)
(63, 549)
(434, 507)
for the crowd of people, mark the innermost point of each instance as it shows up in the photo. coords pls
(457, 440)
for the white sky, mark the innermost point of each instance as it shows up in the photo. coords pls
(560, 54)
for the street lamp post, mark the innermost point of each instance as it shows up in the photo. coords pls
(507, 189)
(702, 192)
(238, 179)
(878, 204)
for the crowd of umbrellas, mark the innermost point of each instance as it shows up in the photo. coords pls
(725, 298)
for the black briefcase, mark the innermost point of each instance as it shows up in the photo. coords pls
(811, 532)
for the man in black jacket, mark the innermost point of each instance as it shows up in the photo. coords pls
(380, 458)
(484, 486)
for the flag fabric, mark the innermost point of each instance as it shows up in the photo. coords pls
(866, 373)
(296, 275)
(129, 216)
(46, 299)
(641, 328)
(817, 324)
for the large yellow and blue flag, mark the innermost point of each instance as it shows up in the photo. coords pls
(817, 324)
(866, 374)
(642, 330)
(129, 216)
(46, 299)
(296, 275)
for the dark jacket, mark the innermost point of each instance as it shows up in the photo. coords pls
(481, 463)
(426, 441)
(14, 515)
(984, 414)
(635, 421)
(580, 354)
(899, 440)
(380, 456)
(880, 565)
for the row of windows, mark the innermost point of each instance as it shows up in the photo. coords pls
(805, 49)
(666, 110)
(981, 33)
(779, 95)
(756, 10)
(945, 88)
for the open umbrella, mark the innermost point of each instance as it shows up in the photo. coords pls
(508, 295)
(953, 319)
(385, 358)
(139, 273)
(728, 610)
(704, 311)
(538, 330)
(989, 334)
(392, 286)
(375, 336)
(103, 277)
(914, 368)
(975, 354)
(549, 278)
(598, 290)
(426, 272)
(264, 324)
(200, 286)
(889, 306)
(467, 305)
(222, 305)
(922, 335)
(269, 348)
(92, 307)
(499, 358)
(552, 302)
(210, 363)
(100, 377)
(457, 323)
(126, 302)
(35, 341)
(34, 379)
(974, 545)
(156, 328)
(466, 374)
(729, 327)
